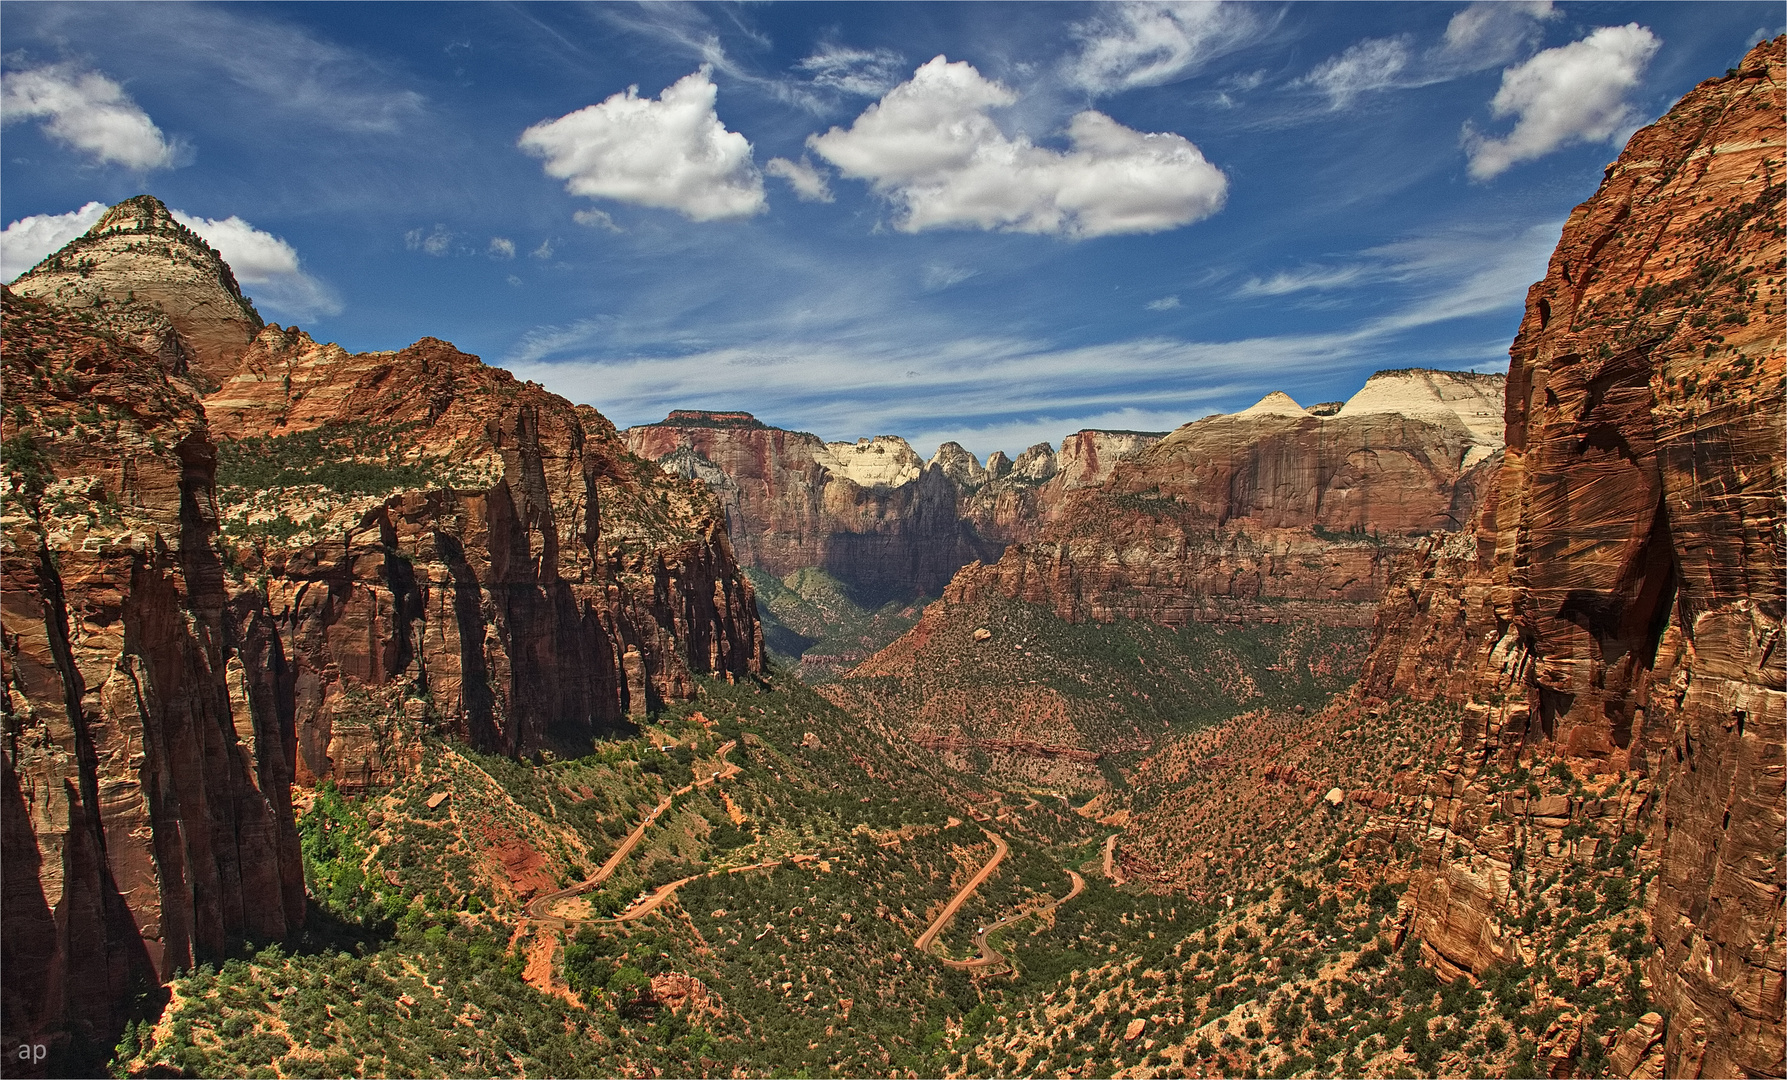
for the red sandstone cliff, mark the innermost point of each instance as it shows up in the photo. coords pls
(1273, 504)
(872, 514)
(534, 584)
(1621, 607)
(148, 752)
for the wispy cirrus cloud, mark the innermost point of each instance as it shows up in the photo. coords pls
(1129, 45)
(1481, 36)
(866, 363)
(854, 72)
(247, 55)
(1307, 278)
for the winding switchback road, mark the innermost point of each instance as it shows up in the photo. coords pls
(955, 904)
(989, 955)
(536, 909)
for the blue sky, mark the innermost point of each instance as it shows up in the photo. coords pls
(990, 223)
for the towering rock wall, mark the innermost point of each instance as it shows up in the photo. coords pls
(148, 739)
(1621, 608)
(873, 514)
(503, 567)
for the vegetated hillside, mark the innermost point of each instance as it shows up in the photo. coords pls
(806, 877)
(811, 624)
(797, 886)
(1006, 689)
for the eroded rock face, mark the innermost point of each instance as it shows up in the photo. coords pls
(1622, 607)
(155, 282)
(1281, 525)
(1266, 506)
(208, 599)
(873, 513)
(148, 745)
(498, 593)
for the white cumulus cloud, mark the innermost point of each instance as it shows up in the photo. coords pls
(1127, 45)
(87, 111)
(930, 147)
(808, 182)
(27, 240)
(672, 153)
(1573, 93)
(265, 264)
(501, 247)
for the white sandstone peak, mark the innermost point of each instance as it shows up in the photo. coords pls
(883, 461)
(1277, 403)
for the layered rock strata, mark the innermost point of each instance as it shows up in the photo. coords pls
(1233, 515)
(508, 569)
(148, 738)
(1620, 609)
(873, 514)
(155, 282)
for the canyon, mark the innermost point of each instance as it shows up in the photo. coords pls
(1438, 730)
(873, 514)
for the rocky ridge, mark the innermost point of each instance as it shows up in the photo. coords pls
(210, 598)
(1263, 513)
(1277, 523)
(873, 514)
(147, 759)
(1618, 611)
(156, 283)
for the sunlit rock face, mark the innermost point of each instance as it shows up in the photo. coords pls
(1621, 606)
(1274, 504)
(873, 514)
(158, 284)
(236, 559)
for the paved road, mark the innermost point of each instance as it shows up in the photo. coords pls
(536, 909)
(1110, 853)
(923, 943)
(989, 955)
